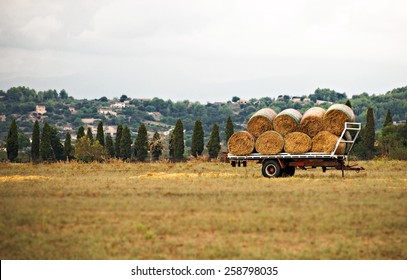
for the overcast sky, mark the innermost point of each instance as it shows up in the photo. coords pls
(203, 50)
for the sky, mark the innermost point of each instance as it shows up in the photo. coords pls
(204, 51)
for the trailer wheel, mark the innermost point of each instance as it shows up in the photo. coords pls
(288, 171)
(271, 168)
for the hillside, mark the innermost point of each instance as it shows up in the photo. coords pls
(68, 114)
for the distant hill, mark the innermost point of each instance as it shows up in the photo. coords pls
(68, 114)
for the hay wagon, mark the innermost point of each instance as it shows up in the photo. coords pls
(284, 164)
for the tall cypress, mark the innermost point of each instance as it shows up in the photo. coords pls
(81, 132)
(179, 141)
(388, 119)
(68, 146)
(214, 142)
(156, 146)
(119, 133)
(57, 147)
(348, 103)
(12, 141)
(125, 144)
(229, 129)
(197, 145)
(89, 134)
(46, 152)
(109, 146)
(141, 144)
(100, 135)
(171, 144)
(35, 144)
(369, 134)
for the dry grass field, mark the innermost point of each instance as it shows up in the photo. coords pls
(201, 210)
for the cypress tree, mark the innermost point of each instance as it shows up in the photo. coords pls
(229, 129)
(369, 134)
(100, 135)
(388, 120)
(214, 142)
(171, 146)
(57, 147)
(109, 146)
(12, 141)
(197, 145)
(119, 133)
(125, 144)
(35, 144)
(348, 103)
(81, 132)
(46, 152)
(179, 141)
(68, 146)
(156, 146)
(141, 144)
(90, 135)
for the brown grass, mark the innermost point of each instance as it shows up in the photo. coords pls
(201, 211)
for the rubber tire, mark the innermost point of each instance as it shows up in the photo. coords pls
(288, 171)
(271, 169)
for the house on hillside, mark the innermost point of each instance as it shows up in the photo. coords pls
(118, 105)
(90, 121)
(107, 111)
(3, 118)
(319, 102)
(40, 109)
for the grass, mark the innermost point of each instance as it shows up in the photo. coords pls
(200, 210)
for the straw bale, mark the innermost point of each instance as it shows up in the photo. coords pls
(325, 141)
(270, 143)
(336, 116)
(312, 121)
(297, 143)
(261, 121)
(241, 143)
(287, 121)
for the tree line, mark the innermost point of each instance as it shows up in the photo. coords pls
(46, 146)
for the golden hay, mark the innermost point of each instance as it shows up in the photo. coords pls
(312, 121)
(241, 143)
(325, 141)
(297, 143)
(335, 118)
(261, 121)
(270, 143)
(287, 121)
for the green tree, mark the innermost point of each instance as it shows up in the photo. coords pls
(12, 141)
(46, 151)
(214, 142)
(156, 146)
(85, 151)
(125, 144)
(57, 147)
(229, 129)
(179, 141)
(348, 103)
(68, 146)
(109, 146)
(123, 98)
(100, 135)
(35, 144)
(369, 134)
(141, 144)
(388, 120)
(117, 144)
(171, 145)
(197, 145)
(81, 132)
(89, 134)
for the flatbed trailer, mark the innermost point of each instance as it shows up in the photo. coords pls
(284, 164)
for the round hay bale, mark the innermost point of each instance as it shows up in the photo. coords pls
(336, 116)
(241, 143)
(297, 143)
(270, 143)
(325, 141)
(287, 121)
(312, 121)
(261, 121)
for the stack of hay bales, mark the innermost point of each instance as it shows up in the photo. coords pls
(290, 132)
